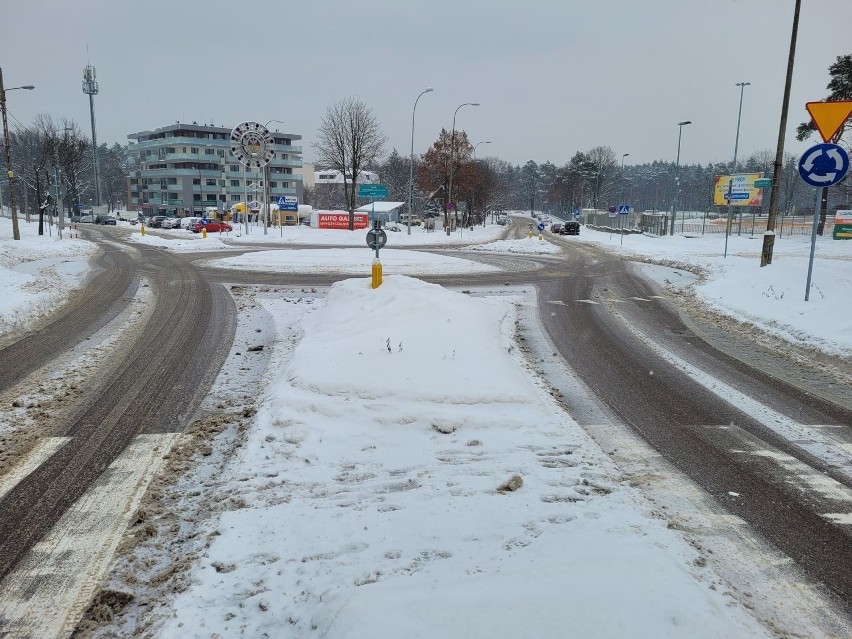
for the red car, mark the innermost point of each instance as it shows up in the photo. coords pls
(212, 226)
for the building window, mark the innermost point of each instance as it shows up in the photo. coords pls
(172, 180)
(235, 198)
(193, 150)
(221, 182)
(211, 182)
(273, 185)
(285, 185)
(235, 182)
(173, 196)
(221, 153)
(196, 181)
(209, 151)
(234, 168)
(196, 198)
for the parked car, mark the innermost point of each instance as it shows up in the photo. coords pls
(570, 228)
(105, 219)
(156, 222)
(212, 226)
(75, 218)
(415, 220)
(188, 222)
(503, 220)
(172, 223)
(556, 227)
(87, 218)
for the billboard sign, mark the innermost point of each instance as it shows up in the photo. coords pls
(340, 220)
(842, 225)
(743, 190)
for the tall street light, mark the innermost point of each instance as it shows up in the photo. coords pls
(473, 190)
(411, 168)
(742, 86)
(16, 233)
(267, 193)
(677, 172)
(624, 155)
(452, 157)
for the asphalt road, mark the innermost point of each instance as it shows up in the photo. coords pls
(596, 311)
(172, 364)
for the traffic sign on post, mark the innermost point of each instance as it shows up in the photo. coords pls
(373, 191)
(624, 209)
(829, 116)
(763, 183)
(288, 203)
(824, 165)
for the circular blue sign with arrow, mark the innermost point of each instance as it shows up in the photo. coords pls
(824, 165)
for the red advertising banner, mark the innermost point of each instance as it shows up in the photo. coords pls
(340, 220)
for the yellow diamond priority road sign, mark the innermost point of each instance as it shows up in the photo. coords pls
(829, 116)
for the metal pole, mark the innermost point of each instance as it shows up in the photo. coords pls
(813, 242)
(16, 233)
(411, 167)
(742, 86)
(677, 173)
(452, 157)
(95, 151)
(769, 236)
(245, 193)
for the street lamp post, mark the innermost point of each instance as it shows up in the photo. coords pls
(16, 233)
(267, 193)
(677, 173)
(742, 86)
(473, 190)
(623, 155)
(411, 167)
(452, 157)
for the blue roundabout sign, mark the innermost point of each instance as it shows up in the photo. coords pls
(824, 165)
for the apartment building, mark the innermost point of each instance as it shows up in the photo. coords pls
(183, 168)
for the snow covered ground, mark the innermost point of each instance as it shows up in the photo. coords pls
(407, 474)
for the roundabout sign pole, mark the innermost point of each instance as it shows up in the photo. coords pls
(820, 166)
(252, 146)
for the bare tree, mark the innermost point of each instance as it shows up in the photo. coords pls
(349, 140)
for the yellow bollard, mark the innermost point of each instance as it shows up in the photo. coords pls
(377, 274)
(143, 230)
(540, 238)
(529, 236)
(204, 233)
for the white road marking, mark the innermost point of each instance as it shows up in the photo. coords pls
(560, 302)
(640, 299)
(588, 301)
(822, 445)
(840, 518)
(43, 450)
(50, 589)
(809, 478)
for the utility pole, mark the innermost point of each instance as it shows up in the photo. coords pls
(769, 236)
(90, 87)
(16, 232)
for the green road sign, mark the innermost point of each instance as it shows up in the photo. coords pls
(373, 191)
(763, 183)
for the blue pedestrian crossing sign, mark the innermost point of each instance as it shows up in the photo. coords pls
(288, 203)
(824, 164)
(576, 212)
(624, 209)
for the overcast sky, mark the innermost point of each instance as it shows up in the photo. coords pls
(552, 76)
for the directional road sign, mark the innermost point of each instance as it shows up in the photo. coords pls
(736, 196)
(373, 191)
(288, 203)
(824, 165)
(376, 238)
(763, 183)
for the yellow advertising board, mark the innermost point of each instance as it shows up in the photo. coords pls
(743, 191)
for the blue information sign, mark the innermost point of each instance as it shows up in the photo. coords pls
(824, 165)
(373, 191)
